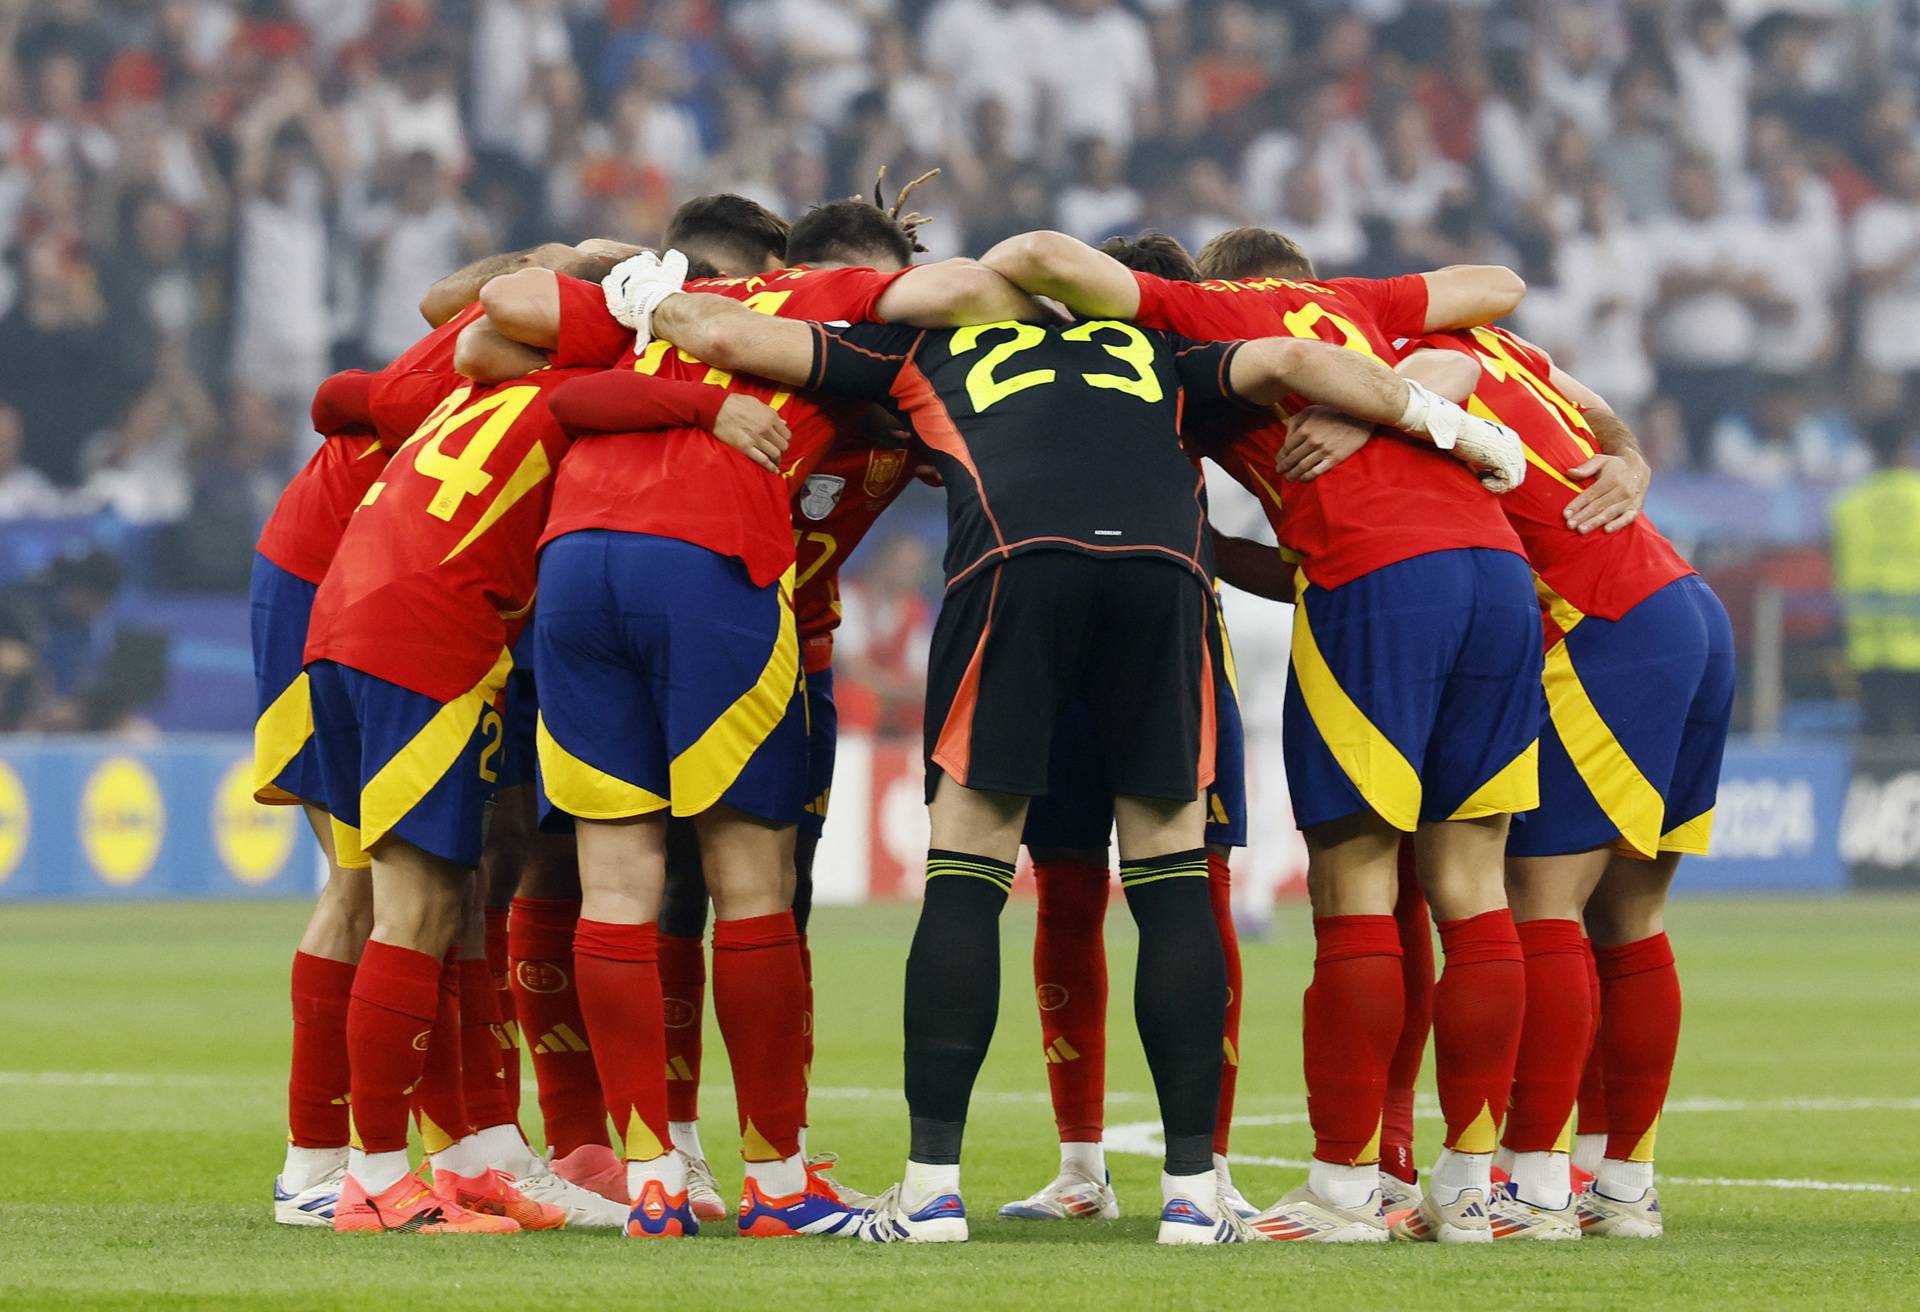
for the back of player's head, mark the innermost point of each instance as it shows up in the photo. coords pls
(1158, 253)
(850, 232)
(1254, 253)
(730, 233)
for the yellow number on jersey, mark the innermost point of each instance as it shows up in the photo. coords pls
(648, 361)
(983, 389)
(1136, 352)
(829, 548)
(1301, 323)
(464, 475)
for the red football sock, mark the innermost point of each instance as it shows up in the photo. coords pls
(484, 1049)
(683, 983)
(806, 972)
(1220, 889)
(1416, 985)
(317, 1080)
(759, 998)
(618, 967)
(509, 1034)
(1639, 1032)
(1553, 1038)
(1593, 1085)
(1478, 1008)
(396, 993)
(440, 1099)
(1351, 1022)
(1070, 981)
(547, 1005)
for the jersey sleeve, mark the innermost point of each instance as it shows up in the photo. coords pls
(615, 401)
(1397, 305)
(860, 361)
(1159, 298)
(859, 289)
(1205, 369)
(342, 407)
(588, 333)
(400, 402)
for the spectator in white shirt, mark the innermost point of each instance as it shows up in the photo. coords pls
(1712, 70)
(426, 231)
(1578, 80)
(1778, 439)
(1608, 282)
(1101, 203)
(1414, 182)
(1797, 214)
(513, 41)
(1098, 72)
(1319, 132)
(1886, 263)
(1333, 240)
(991, 50)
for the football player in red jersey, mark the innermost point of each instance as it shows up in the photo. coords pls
(1409, 711)
(706, 583)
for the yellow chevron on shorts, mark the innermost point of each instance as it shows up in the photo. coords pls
(1692, 837)
(583, 790)
(278, 735)
(1514, 789)
(1230, 668)
(1629, 799)
(348, 853)
(699, 775)
(1375, 766)
(397, 787)
(1565, 614)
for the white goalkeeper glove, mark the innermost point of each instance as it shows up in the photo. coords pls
(1492, 450)
(638, 284)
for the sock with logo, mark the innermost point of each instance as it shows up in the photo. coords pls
(1553, 1049)
(485, 1049)
(618, 967)
(317, 1080)
(1639, 1033)
(1416, 1023)
(1179, 999)
(497, 965)
(952, 997)
(1220, 890)
(440, 1100)
(1350, 1023)
(759, 998)
(683, 981)
(396, 993)
(1478, 1007)
(547, 1005)
(1070, 985)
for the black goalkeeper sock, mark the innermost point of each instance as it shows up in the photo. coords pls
(1179, 999)
(953, 996)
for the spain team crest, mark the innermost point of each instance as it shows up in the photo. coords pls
(823, 494)
(883, 471)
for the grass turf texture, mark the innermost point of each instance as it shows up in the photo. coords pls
(143, 1179)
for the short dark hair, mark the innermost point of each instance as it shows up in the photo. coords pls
(728, 230)
(1154, 252)
(1254, 253)
(851, 231)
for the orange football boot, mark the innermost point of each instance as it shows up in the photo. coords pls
(491, 1193)
(409, 1206)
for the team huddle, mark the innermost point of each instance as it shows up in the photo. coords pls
(544, 635)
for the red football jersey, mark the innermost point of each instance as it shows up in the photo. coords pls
(832, 510)
(1603, 574)
(1397, 497)
(684, 483)
(435, 574)
(305, 527)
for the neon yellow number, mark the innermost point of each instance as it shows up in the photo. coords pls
(983, 389)
(1137, 353)
(495, 732)
(648, 361)
(464, 475)
(829, 547)
(1301, 323)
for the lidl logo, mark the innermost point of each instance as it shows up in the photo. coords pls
(16, 821)
(254, 841)
(122, 820)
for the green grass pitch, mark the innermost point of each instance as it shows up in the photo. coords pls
(142, 1069)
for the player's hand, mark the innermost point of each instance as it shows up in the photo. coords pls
(751, 427)
(1493, 451)
(1319, 439)
(640, 283)
(1614, 498)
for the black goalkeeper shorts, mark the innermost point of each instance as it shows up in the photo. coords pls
(1015, 643)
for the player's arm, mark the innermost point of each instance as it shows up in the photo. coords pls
(1091, 283)
(617, 401)
(1321, 438)
(1467, 295)
(1253, 567)
(1620, 472)
(343, 404)
(953, 294)
(1268, 370)
(485, 354)
(727, 335)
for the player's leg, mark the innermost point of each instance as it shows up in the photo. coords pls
(1399, 1178)
(1480, 768)
(683, 984)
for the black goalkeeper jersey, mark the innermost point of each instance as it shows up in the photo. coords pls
(1048, 437)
